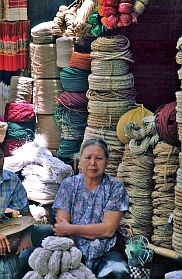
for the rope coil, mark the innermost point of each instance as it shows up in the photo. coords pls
(64, 48)
(109, 68)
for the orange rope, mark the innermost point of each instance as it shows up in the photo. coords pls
(80, 60)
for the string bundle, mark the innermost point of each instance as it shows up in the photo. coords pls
(43, 61)
(45, 93)
(21, 89)
(135, 115)
(64, 48)
(166, 124)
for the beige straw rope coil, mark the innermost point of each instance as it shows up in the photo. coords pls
(47, 127)
(42, 33)
(109, 68)
(43, 61)
(110, 82)
(105, 96)
(64, 48)
(179, 57)
(116, 43)
(3, 129)
(99, 121)
(44, 95)
(21, 89)
(120, 55)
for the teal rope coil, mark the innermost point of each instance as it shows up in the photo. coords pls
(73, 79)
(68, 148)
(21, 130)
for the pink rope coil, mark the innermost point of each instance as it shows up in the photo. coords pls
(73, 100)
(19, 112)
(166, 124)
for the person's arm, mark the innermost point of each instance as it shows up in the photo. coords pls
(4, 245)
(104, 229)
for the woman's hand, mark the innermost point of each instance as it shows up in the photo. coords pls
(62, 227)
(4, 245)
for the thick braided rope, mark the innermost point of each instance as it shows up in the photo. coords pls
(110, 67)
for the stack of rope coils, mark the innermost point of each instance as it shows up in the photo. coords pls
(166, 160)
(136, 172)
(179, 58)
(21, 89)
(177, 214)
(47, 82)
(115, 146)
(111, 91)
(71, 112)
(21, 125)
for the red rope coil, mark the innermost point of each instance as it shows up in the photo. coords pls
(166, 124)
(19, 112)
(80, 60)
(73, 100)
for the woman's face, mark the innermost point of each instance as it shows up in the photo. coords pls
(93, 161)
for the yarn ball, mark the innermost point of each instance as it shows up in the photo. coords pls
(135, 115)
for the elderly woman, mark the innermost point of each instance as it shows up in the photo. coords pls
(89, 208)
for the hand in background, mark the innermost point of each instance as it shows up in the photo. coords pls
(4, 245)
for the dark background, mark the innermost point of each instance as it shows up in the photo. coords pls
(153, 44)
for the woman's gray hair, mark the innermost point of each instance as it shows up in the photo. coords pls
(97, 141)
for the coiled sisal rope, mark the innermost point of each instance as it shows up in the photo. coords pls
(109, 68)
(43, 61)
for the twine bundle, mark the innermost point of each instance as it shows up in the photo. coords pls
(111, 82)
(166, 163)
(57, 258)
(3, 129)
(43, 61)
(64, 48)
(109, 68)
(80, 61)
(114, 145)
(166, 124)
(106, 55)
(21, 89)
(136, 173)
(42, 33)
(47, 127)
(45, 92)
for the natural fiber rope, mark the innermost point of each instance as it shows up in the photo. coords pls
(21, 89)
(3, 129)
(109, 68)
(113, 44)
(47, 127)
(64, 48)
(110, 82)
(105, 96)
(43, 61)
(73, 100)
(104, 56)
(45, 93)
(42, 33)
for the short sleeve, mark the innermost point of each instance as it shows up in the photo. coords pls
(118, 199)
(19, 200)
(63, 199)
